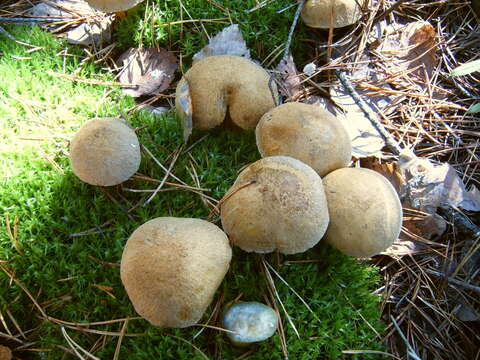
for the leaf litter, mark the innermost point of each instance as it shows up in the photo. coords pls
(151, 70)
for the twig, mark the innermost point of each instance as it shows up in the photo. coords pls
(391, 9)
(292, 28)
(389, 140)
(455, 281)
(460, 221)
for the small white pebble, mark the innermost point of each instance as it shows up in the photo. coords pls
(310, 69)
(251, 322)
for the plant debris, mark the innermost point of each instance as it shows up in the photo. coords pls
(151, 70)
(228, 42)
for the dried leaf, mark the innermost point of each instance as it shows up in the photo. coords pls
(366, 141)
(391, 171)
(428, 186)
(184, 108)
(92, 30)
(91, 33)
(157, 111)
(228, 42)
(408, 47)
(290, 83)
(401, 248)
(151, 70)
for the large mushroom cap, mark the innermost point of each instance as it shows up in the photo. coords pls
(228, 83)
(113, 5)
(365, 211)
(318, 13)
(105, 152)
(171, 268)
(307, 133)
(276, 203)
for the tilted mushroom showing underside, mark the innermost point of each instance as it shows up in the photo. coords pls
(227, 84)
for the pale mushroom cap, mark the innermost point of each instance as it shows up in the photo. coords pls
(228, 83)
(171, 268)
(365, 212)
(113, 5)
(318, 13)
(105, 152)
(307, 133)
(276, 203)
(251, 321)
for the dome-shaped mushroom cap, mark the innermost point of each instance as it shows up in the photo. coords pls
(318, 13)
(307, 133)
(276, 203)
(365, 211)
(224, 82)
(113, 5)
(105, 152)
(171, 268)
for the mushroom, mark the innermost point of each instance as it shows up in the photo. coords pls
(105, 152)
(336, 13)
(113, 5)
(365, 212)
(307, 133)
(171, 268)
(276, 203)
(5, 353)
(225, 83)
(249, 322)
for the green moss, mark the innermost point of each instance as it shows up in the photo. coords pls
(64, 272)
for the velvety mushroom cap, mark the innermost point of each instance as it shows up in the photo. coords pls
(318, 13)
(228, 83)
(113, 5)
(276, 203)
(365, 211)
(105, 152)
(171, 268)
(307, 133)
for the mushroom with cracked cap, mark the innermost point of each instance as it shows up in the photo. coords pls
(226, 83)
(276, 203)
(365, 212)
(171, 268)
(105, 152)
(307, 133)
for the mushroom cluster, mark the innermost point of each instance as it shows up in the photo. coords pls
(299, 192)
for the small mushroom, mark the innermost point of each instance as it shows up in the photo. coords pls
(5, 353)
(171, 268)
(249, 322)
(307, 133)
(276, 203)
(338, 13)
(225, 83)
(365, 212)
(105, 152)
(113, 5)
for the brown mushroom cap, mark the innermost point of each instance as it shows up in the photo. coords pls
(307, 133)
(365, 211)
(276, 203)
(318, 13)
(171, 268)
(228, 83)
(105, 152)
(113, 5)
